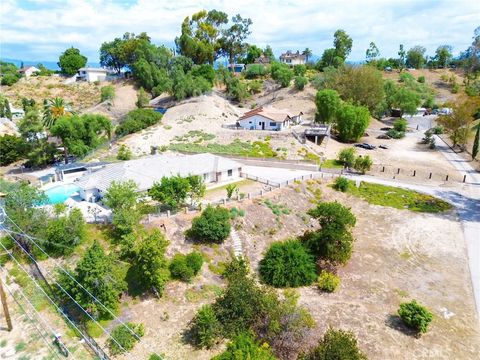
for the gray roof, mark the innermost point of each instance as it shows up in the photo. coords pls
(146, 171)
(78, 165)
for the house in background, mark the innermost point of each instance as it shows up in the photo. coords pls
(269, 118)
(92, 74)
(262, 59)
(292, 59)
(236, 68)
(28, 71)
(146, 171)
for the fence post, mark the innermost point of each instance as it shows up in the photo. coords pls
(446, 178)
(311, 176)
(267, 182)
(464, 178)
(287, 182)
(261, 192)
(302, 177)
(398, 171)
(414, 173)
(430, 176)
(168, 213)
(383, 169)
(248, 196)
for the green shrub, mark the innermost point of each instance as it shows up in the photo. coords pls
(212, 226)
(234, 213)
(421, 79)
(336, 345)
(455, 88)
(124, 337)
(194, 261)
(287, 264)
(347, 157)
(363, 164)
(406, 77)
(142, 98)
(205, 329)
(341, 184)
(107, 93)
(179, 268)
(137, 120)
(328, 282)
(243, 347)
(415, 316)
(400, 125)
(438, 130)
(255, 87)
(300, 70)
(124, 153)
(255, 70)
(394, 134)
(300, 82)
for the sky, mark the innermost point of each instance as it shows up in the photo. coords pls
(42, 29)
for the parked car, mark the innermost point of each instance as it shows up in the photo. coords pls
(366, 146)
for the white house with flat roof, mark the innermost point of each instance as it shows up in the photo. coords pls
(146, 171)
(28, 71)
(269, 118)
(92, 74)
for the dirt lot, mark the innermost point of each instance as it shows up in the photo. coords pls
(399, 255)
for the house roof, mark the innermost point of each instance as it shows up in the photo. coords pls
(146, 171)
(291, 55)
(93, 70)
(25, 68)
(276, 115)
(262, 59)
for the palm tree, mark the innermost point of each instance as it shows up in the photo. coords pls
(307, 52)
(53, 109)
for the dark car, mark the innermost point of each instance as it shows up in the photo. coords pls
(366, 146)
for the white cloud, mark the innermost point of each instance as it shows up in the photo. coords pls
(40, 30)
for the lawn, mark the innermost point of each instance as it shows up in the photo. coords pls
(331, 164)
(398, 198)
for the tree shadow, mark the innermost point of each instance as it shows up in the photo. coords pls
(135, 287)
(396, 323)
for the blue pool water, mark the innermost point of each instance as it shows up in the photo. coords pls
(161, 110)
(59, 194)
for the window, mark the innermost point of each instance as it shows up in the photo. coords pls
(273, 124)
(230, 172)
(205, 177)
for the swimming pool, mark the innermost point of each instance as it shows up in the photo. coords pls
(59, 194)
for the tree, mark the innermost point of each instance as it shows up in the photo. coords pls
(244, 346)
(137, 120)
(416, 57)
(212, 226)
(336, 345)
(362, 85)
(71, 60)
(281, 73)
(150, 262)
(122, 338)
(347, 157)
(7, 111)
(307, 53)
(197, 187)
(372, 53)
(401, 57)
(330, 58)
(328, 103)
(54, 109)
(406, 100)
(268, 52)
(10, 74)
(124, 153)
(352, 121)
(363, 164)
(142, 98)
(415, 316)
(64, 231)
(232, 40)
(333, 242)
(12, 148)
(476, 142)
(253, 53)
(443, 55)
(205, 328)
(342, 43)
(171, 191)
(96, 273)
(287, 264)
(458, 123)
(121, 195)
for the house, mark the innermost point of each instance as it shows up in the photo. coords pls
(236, 68)
(262, 59)
(269, 118)
(146, 171)
(292, 59)
(28, 71)
(92, 74)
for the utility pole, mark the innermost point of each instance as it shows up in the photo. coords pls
(5, 306)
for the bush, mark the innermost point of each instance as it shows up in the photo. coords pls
(328, 282)
(352, 121)
(255, 70)
(137, 120)
(179, 269)
(347, 157)
(244, 346)
(406, 77)
(142, 98)
(287, 264)
(300, 82)
(421, 79)
(195, 261)
(300, 70)
(400, 125)
(212, 226)
(363, 164)
(124, 153)
(255, 87)
(394, 134)
(336, 345)
(107, 93)
(415, 316)
(124, 337)
(438, 130)
(341, 184)
(206, 328)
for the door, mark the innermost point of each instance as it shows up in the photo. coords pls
(263, 125)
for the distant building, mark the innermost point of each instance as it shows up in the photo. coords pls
(262, 59)
(292, 59)
(269, 118)
(28, 71)
(237, 68)
(146, 171)
(92, 74)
